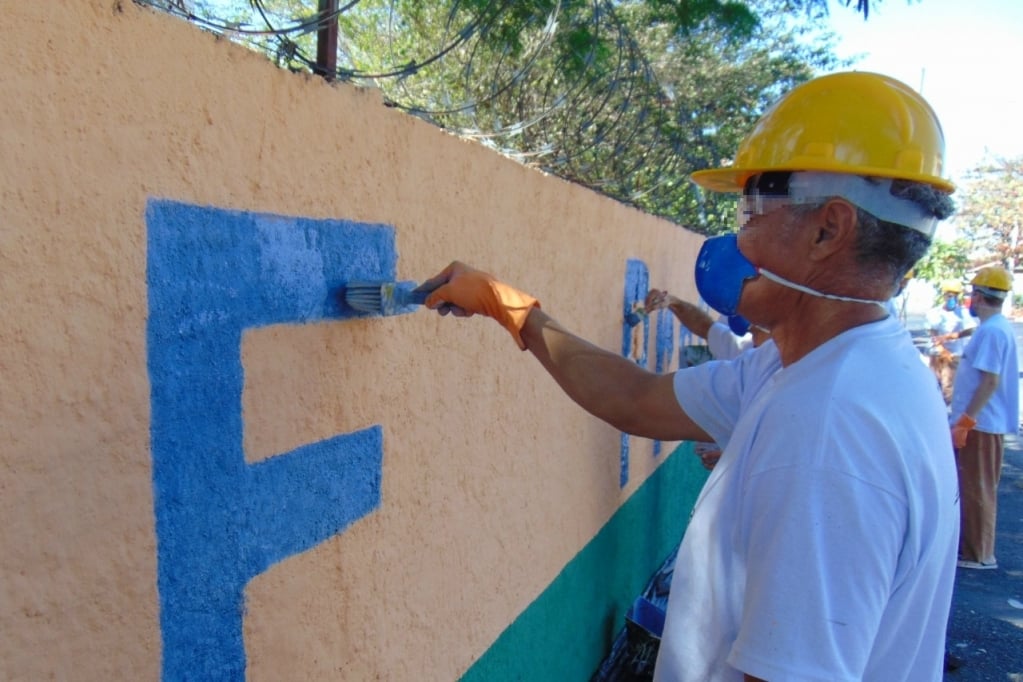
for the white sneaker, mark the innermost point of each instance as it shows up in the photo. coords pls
(963, 563)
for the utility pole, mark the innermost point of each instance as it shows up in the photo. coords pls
(326, 41)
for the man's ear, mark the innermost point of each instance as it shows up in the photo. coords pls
(835, 228)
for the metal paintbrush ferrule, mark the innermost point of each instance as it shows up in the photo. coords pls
(384, 298)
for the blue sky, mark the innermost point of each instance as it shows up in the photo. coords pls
(964, 56)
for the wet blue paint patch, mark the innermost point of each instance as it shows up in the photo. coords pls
(211, 274)
(685, 338)
(664, 345)
(637, 283)
(665, 340)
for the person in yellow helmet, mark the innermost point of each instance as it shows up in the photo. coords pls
(985, 407)
(949, 325)
(726, 337)
(823, 544)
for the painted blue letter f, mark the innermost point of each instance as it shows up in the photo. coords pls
(211, 274)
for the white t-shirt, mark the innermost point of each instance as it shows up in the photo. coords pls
(723, 344)
(942, 321)
(992, 348)
(823, 544)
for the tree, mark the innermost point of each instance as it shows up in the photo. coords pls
(627, 97)
(721, 85)
(990, 214)
(944, 261)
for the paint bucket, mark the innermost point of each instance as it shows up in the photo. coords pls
(647, 616)
(635, 648)
(644, 623)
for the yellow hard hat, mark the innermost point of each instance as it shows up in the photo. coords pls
(993, 280)
(951, 286)
(858, 123)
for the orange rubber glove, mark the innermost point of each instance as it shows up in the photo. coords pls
(963, 426)
(465, 292)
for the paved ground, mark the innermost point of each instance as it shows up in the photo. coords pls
(986, 629)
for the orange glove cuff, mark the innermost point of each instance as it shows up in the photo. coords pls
(513, 309)
(967, 422)
(478, 293)
(961, 429)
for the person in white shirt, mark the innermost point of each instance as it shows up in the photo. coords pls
(985, 407)
(823, 544)
(949, 325)
(726, 338)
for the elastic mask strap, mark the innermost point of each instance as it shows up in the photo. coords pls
(807, 290)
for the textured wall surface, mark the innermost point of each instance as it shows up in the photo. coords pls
(208, 469)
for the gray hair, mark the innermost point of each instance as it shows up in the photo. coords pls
(894, 249)
(887, 249)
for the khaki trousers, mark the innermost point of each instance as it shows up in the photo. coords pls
(944, 367)
(979, 464)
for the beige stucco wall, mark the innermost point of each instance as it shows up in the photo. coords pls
(492, 479)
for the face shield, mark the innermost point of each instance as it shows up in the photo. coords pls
(988, 291)
(767, 192)
(762, 194)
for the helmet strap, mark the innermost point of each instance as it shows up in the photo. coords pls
(993, 293)
(873, 196)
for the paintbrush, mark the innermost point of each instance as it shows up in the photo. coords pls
(384, 298)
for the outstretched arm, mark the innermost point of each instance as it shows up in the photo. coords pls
(603, 383)
(692, 318)
(607, 385)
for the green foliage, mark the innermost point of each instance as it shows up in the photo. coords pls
(988, 221)
(990, 214)
(627, 97)
(550, 85)
(735, 18)
(944, 261)
(720, 86)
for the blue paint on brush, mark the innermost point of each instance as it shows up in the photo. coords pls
(637, 283)
(211, 275)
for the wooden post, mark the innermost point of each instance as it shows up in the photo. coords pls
(326, 40)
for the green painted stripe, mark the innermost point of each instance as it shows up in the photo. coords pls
(565, 634)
